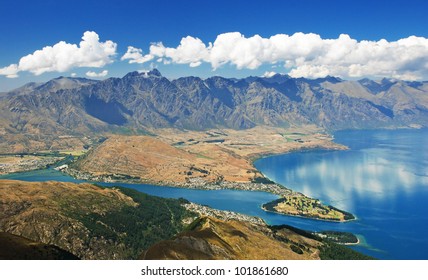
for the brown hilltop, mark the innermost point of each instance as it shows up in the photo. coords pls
(177, 157)
(151, 159)
(137, 156)
(213, 239)
(88, 221)
(46, 212)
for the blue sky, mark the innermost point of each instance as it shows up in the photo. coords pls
(30, 26)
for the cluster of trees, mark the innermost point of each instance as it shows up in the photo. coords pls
(339, 237)
(328, 250)
(333, 251)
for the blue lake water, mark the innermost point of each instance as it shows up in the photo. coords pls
(382, 179)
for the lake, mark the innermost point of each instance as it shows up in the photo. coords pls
(382, 179)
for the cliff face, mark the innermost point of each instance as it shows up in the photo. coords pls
(142, 101)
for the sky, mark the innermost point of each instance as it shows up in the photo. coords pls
(41, 40)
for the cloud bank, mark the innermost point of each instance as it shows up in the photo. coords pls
(303, 55)
(63, 56)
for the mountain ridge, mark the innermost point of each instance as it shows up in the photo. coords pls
(146, 101)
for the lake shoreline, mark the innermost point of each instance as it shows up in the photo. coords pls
(268, 186)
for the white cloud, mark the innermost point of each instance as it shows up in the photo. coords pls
(63, 56)
(135, 55)
(304, 55)
(191, 51)
(97, 75)
(269, 74)
(10, 71)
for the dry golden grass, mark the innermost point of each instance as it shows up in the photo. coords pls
(178, 157)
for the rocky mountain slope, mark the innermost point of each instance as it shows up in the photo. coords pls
(139, 102)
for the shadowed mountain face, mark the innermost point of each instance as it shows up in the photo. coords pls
(14, 247)
(79, 106)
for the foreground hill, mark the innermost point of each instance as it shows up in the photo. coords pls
(210, 238)
(213, 239)
(53, 220)
(88, 221)
(66, 110)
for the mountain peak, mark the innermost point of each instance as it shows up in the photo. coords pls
(154, 72)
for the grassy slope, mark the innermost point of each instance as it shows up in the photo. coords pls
(89, 221)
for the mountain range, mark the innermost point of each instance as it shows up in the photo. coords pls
(141, 102)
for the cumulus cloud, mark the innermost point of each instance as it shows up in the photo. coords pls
(10, 71)
(97, 75)
(303, 55)
(135, 55)
(191, 51)
(63, 56)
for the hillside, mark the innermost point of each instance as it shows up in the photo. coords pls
(70, 112)
(88, 221)
(189, 158)
(15, 247)
(53, 220)
(210, 238)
